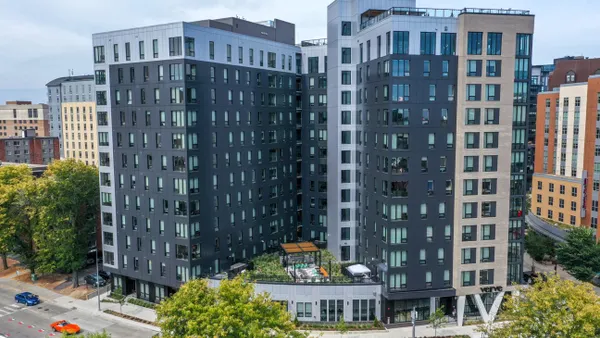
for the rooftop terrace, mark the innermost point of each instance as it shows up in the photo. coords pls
(436, 12)
(300, 267)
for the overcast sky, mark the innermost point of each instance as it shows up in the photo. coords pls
(41, 39)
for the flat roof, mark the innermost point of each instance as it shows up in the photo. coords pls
(76, 78)
(292, 248)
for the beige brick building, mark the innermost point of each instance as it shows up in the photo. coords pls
(79, 133)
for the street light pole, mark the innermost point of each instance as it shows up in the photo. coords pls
(97, 281)
(413, 315)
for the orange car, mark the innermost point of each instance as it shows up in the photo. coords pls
(66, 327)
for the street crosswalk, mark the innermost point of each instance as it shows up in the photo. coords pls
(9, 309)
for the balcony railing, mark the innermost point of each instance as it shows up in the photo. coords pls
(314, 42)
(438, 12)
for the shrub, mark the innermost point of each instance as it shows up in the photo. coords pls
(142, 303)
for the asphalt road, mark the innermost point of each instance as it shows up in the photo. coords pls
(18, 320)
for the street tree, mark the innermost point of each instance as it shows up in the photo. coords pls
(341, 327)
(550, 308)
(9, 176)
(539, 246)
(232, 310)
(437, 318)
(24, 212)
(70, 212)
(580, 255)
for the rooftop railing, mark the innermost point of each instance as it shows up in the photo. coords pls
(438, 13)
(314, 42)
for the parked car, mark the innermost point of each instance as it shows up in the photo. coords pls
(94, 280)
(104, 274)
(66, 327)
(27, 298)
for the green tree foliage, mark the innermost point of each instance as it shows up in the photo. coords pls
(24, 213)
(580, 255)
(9, 176)
(539, 246)
(232, 310)
(551, 308)
(341, 327)
(437, 318)
(70, 211)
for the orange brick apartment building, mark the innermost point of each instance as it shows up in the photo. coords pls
(566, 176)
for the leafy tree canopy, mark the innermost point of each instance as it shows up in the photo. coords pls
(551, 308)
(580, 255)
(10, 176)
(70, 211)
(539, 246)
(231, 310)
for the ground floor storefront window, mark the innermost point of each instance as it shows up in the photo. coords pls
(331, 310)
(363, 310)
(402, 309)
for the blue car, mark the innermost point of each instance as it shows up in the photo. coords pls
(27, 298)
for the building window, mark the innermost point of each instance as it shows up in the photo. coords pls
(468, 256)
(190, 47)
(155, 48)
(313, 65)
(487, 255)
(99, 56)
(142, 50)
(428, 43)
(473, 92)
(473, 67)
(494, 44)
(570, 76)
(474, 43)
(448, 44)
(493, 68)
(175, 46)
(401, 43)
(346, 77)
(346, 55)
(523, 45)
(400, 68)
(492, 92)
(346, 28)
(486, 277)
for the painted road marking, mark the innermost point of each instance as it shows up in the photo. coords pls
(16, 305)
(5, 312)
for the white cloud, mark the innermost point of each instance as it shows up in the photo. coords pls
(40, 40)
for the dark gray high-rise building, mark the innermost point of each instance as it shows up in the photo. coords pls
(197, 148)
(399, 142)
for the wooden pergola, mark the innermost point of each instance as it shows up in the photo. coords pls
(300, 249)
